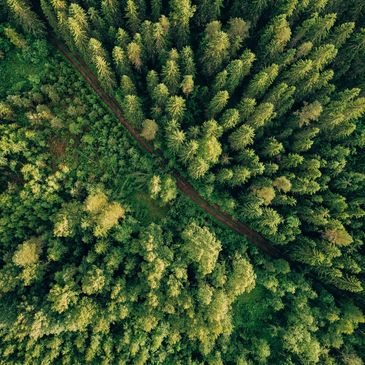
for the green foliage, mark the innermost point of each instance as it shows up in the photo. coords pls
(260, 104)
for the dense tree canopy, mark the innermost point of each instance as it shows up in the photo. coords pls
(260, 105)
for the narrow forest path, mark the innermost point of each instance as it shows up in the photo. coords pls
(183, 185)
(186, 188)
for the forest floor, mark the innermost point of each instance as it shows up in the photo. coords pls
(185, 187)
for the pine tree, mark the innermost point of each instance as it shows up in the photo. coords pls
(214, 49)
(134, 52)
(220, 81)
(181, 11)
(132, 109)
(160, 94)
(281, 96)
(25, 17)
(246, 107)
(303, 50)
(147, 38)
(314, 29)
(97, 23)
(175, 137)
(79, 35)
(127, 86)
(323, 55)
(132, 15)
(262, 114)
(238, 31)
(149, 129)
(275, 37)
(122, 38)
(187, 84)
(171, 75)
(217, 104)
(99, 59)
(161, 36)
(308, 113)
(175, 107)
(112, 11)
(156, 7)
(341, 34)
(237, 70)
(188, 151)
(230, 118)
(261, 81)
(152, 80)
(121, 61)
(304, 139)
(187, 61)
(241, 137)
(272, 147)
(298, 71)
(208, 10)
(240, 176)
(197, 167)
(15, 38)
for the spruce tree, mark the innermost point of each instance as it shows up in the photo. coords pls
(25, 17)
(214, 48)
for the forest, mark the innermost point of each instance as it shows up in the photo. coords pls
(182, 182)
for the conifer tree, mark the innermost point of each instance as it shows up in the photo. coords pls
(132, 108)
(261, 81)
(217, 104)
(246, 107)
(238, 31)
(237, 70)
(181, 11)
(132, 16)
(187, 84)
(214, 48)
(121, 61)
(152, 80)
(314, 29)
(127, 86)
(281, 96)
(241, 137)
(161, 36)
(197, 167)
(122, 38)
(112, 11)
(341, 33)
(274, 38)
(175, 107)
(160, 94)
(156, 7)
(261, 115)
(105, 73)
(187, 61)
(171, 75)
(149, 129)
(25, 17)
(230, 118)
(134, 52)
(175, 136)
